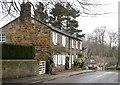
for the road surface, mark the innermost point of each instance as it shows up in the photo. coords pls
(94, 77)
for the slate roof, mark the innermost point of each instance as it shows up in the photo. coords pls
(51, 27)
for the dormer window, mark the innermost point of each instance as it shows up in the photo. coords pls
(2, 37)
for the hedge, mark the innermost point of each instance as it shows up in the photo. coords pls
(10, 51)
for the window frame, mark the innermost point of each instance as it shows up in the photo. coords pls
(54, 38)
(2, 37)
(72, 43)
(63, 40)
(76, 44)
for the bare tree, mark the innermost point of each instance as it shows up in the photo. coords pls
(113, 38)
(12, 7)
(103, 52)
(99, 34)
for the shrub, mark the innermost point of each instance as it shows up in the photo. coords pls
(78, 61)
(10, 51)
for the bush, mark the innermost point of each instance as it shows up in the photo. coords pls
(10, 51)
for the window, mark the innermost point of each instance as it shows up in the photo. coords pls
(59, 60)
(55, 59)
(54, 38)
(63, 59)
(80, 45)
(72, 59)
(72, 43)
(2, 37)
(63, 40)
(76, 44)
(92, 61)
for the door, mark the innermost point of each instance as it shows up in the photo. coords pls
(66, 63)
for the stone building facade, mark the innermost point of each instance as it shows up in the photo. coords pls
(49, 42)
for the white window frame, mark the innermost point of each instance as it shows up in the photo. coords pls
(76, 44)
(55, 59)
(80, 45)
(76, 56)
(72, 59)
(72, 43)
(63, 59)
(2, 37)
(63, 40)
(54, 38)
(59, 60)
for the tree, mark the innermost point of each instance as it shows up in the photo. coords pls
(12, 7)
(80, 60)
(75, 8)
(40, 13)
(99, 41)
(112, 38)
(99, 46)
(57, 15)
(99, 34)
(64, 17)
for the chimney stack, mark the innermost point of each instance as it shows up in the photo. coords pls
(25, 10)
(39, 15)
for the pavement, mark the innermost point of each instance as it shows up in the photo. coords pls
(45, 77)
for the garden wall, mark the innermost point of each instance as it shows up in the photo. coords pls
(19, 68)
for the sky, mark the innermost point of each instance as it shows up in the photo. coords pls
(88, 24)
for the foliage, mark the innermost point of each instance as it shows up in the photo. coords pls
(64, 17)
(10, 51)
(102, 45)
(11, 8)
(41, 14)
(80, 60)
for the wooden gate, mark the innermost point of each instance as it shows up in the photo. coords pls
(42, 67)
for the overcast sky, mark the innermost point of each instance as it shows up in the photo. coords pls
(87, 24)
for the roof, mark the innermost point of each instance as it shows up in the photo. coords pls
(9, 22)
(51, 27)
(57, 30)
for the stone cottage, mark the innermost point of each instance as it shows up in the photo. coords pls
(49, 42)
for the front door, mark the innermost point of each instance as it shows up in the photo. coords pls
(66, 63)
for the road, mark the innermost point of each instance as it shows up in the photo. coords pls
(94, 77)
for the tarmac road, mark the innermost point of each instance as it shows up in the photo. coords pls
(94, 77)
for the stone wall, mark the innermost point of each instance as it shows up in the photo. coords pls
(38, 35)
(19, 68)
(28, 33)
